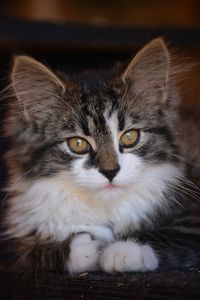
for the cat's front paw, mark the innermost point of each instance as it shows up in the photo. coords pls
(127, 256)
(84, 253)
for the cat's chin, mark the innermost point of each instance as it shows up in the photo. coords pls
(110, 192)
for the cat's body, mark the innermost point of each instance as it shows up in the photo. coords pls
(97, 173)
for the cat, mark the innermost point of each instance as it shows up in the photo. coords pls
(98, 168)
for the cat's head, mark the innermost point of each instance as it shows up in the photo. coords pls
(103, 131)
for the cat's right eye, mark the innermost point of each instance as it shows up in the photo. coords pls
(78, 145)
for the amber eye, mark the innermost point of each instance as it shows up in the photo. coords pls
(78, 145)
(129, 138)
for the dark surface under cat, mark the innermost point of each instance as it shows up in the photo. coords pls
(177, 285)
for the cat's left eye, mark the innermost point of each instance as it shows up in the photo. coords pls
(78, 145)
(129, 138)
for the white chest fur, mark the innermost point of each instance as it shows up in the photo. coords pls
(55, 208)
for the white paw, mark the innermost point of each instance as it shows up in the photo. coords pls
(84, 254)
(128, 256)
(100, 232)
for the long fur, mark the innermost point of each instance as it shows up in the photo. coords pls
(63, 212)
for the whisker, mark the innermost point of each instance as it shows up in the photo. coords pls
(184, 191)
(180, 188)
(184, 159)
(174, 200)
(189, 182)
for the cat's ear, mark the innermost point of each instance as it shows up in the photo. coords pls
(35, 86)
(148, 72)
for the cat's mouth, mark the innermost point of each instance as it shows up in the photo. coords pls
(110, 186)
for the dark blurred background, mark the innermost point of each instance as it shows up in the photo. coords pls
(74, 35)
(106, 12)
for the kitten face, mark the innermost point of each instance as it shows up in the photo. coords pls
(91, 170)
(95, 112)
(108, 168)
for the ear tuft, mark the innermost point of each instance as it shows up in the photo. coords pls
(28, 65)
(149, 69)
(34, 84)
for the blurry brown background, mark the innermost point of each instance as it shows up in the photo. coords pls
(119, 12)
